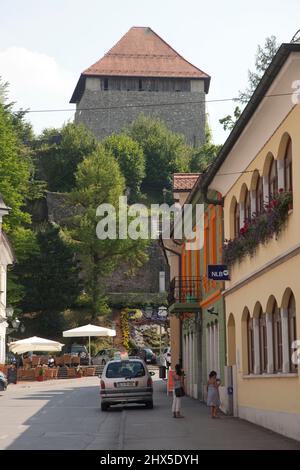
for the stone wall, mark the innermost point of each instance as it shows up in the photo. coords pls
(144, 279)
(125, 106)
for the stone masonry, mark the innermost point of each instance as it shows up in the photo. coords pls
(118, 109)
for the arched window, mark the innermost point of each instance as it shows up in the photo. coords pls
(236, 220)
(273, 179)
(263, 346)
(259, 196)
(292, 329)
(277, 338)
(250, 337)
(288, 180)
(247, 205)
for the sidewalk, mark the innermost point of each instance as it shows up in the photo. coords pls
(159, 430)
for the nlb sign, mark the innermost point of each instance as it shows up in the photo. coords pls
(218, 272)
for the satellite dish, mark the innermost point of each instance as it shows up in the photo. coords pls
(296, 37)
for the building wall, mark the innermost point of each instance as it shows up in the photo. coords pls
(271, 400)
(268, 399)
(201, 353)
(4, 260)
(187, 119)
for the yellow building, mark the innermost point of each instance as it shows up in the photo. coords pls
(257, 174)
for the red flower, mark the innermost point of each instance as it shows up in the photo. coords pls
(280, 190)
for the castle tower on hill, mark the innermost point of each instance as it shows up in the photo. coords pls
(142, 74)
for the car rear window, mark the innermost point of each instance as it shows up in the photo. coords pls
(130, 369)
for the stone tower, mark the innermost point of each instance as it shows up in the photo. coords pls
(142, 74)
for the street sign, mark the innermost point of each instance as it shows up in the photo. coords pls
(218, 272)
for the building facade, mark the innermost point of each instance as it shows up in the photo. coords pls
(142, 74)
(256, 173)
(6, 258)
(195, 302)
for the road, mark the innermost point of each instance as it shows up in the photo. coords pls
(66, 414)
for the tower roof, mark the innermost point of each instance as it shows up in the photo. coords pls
(141, 53)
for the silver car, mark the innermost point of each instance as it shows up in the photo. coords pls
(126, 381)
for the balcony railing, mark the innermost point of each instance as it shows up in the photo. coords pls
(185, 290)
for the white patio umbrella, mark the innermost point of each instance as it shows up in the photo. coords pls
(34, 344)
(89, 330)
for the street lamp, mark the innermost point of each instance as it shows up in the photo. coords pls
(9, 311)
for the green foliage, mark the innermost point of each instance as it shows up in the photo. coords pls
(49, 276)
(14, 173)
(58, 153)
(99, 180)
(263, 58)
(203, 157)
(165, 152)
(228, 122)
(130, 158)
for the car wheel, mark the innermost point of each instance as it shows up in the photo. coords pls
(149, 405)
(104, 406)
(103, 362)
(2, 387)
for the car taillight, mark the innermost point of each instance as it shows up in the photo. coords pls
(102, 384)
(149, 382)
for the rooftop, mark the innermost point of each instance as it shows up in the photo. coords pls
(184, 181)
(142, 53)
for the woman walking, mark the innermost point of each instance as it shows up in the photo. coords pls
(178, 391)
(213, 397)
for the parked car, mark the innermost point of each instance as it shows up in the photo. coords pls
(103, 356)
(3, 382)
(126, 381)
(79, 350)
(167, 357)
(146, 354)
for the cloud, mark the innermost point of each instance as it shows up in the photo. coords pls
(37, 81)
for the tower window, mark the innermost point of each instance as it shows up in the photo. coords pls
(140, 85)
(105, 84)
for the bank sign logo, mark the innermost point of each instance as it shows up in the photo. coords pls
(138, 221)
(218, 272)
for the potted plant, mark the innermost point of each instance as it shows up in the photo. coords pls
(79, 372)
(41, 375)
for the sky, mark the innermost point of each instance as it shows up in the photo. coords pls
(45, 45)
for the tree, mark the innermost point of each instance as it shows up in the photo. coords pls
(263, 58)
(17, 185)
(99, 180)
(165, 152)
(205, 154)
(49, 280)
(130, 158)
(58, 153)
(228, 122)
(14, 173)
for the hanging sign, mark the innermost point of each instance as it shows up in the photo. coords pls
(218, 272)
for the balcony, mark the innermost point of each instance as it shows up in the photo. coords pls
(184, 295)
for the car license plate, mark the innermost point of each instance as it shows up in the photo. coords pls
(126, 384)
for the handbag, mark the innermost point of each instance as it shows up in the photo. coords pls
(179, 392)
